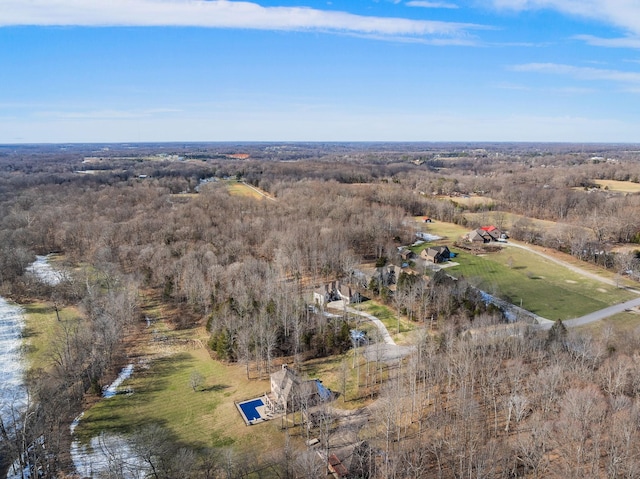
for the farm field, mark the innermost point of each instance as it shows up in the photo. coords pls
(543, 287)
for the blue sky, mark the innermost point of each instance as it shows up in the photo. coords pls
(306, 70)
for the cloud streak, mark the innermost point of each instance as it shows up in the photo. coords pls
(425, 4)
(624, 14)
(623, 42)
(216, 14)
(581, 73)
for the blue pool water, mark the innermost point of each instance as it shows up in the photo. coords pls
(249, 409)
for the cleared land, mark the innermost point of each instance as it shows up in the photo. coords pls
(390, 320)
(544, 287)
(473, 200)
(237, 188)
(41, 325)
(507, 220)
(206, 417)
(448, 231)
(619, 186)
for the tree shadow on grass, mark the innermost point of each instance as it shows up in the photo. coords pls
(114, 414)
(215, 388)
(40, 309)
(28, 332)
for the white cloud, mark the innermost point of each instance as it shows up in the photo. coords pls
(623, 42)
(624, 14)
(215, 14)
(581, 73)
(425, 4)
(103, 114)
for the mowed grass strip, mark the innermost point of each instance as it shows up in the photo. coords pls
(240, 189)
(162, 394)
(545, 288)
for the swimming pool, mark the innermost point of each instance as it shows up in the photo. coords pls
(249, 410)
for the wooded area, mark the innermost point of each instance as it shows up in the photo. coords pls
(160, 219)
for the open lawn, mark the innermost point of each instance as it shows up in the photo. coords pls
(619, 186)
(543, 287)
(389, 318)
(162, 394)
(621, 324)
(41, 325)
(240, 189)
(446, 230)
(332, 370)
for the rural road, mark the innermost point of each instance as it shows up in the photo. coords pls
(595, 316)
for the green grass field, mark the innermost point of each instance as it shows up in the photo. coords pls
(389, 318)
(41, 325)
(240, 189)
(446, 230)
(206, 417)
(543, 287)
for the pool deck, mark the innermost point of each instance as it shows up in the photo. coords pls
(265, 415)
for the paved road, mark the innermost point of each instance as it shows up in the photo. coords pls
(595, 316)
(384, 334)
(386, 350)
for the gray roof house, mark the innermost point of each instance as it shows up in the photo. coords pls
(289, 392)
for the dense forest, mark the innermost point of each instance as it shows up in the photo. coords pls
(161, 219)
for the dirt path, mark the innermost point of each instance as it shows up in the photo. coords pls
(260, 192)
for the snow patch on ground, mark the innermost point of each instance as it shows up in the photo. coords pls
(11, 368)
(112, 389)
(42, 270)
(108, 455)
(428, 237)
